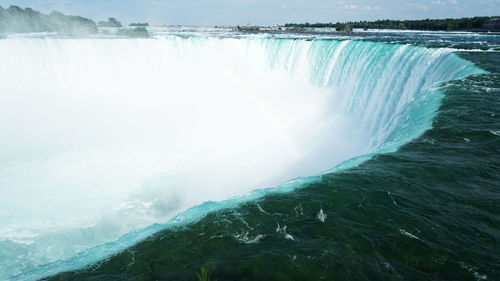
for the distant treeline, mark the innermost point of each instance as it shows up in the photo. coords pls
(427, 24)
(111, 22)
(139, 24)
(18, 20)
(248, 28)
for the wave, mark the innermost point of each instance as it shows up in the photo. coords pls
(105, 140)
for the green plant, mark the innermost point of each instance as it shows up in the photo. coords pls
(204, 275)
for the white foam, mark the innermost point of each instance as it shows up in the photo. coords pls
(321, 216)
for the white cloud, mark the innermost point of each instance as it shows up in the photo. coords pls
(438, 2)
(454, 2)
(369, 8)
(350, 7)
(419, 7)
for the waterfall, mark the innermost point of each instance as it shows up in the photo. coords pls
(101, 138)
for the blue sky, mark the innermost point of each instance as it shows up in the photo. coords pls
(232, 12)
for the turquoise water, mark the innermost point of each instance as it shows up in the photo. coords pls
(400, 204)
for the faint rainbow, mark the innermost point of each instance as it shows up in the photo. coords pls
(289, 142)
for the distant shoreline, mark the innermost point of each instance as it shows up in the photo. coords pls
(475, 24)
(18, 20)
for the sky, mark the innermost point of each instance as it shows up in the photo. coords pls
(261, 12)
